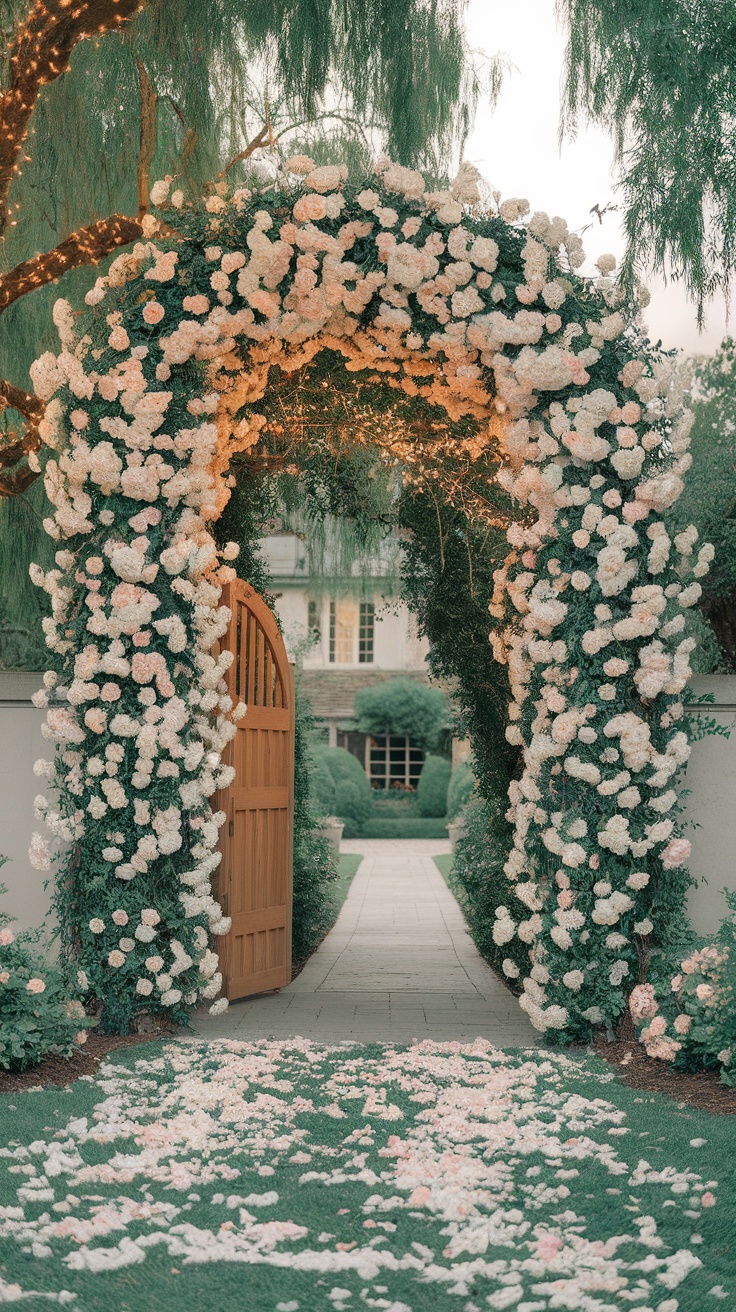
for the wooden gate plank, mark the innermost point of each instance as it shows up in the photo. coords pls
(254, 883)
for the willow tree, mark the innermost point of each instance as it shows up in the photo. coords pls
(662, 79)
(200, 91)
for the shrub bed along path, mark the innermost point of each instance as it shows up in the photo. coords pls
(399, 964)
(289, 1176)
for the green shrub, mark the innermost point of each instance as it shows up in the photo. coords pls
(478, 881)
(322, 790)
(315, 865)
(461, 788)
(695, 997)
(394, 804)
(405, 708)
(38, 1018)
(409, 828)
(351, 802)
(432, 787)
(345, 768)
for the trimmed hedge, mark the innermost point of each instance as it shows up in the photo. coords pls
(351, 802)
(408, 828)
(432, 788)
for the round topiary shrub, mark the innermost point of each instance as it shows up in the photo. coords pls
(461, 788)
(405, 708)
(351, 802)
(343, 767)
(322, 790)
(433, 785)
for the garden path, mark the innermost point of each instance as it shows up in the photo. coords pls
(398, 965)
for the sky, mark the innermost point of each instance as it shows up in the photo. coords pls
(516, 148)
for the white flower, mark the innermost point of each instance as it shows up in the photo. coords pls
(38, 853)
(96, 925)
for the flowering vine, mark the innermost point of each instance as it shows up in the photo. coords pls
(478, 314)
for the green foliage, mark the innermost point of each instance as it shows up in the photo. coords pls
(315, 867)
(709, 498)
(322, 790)
(353, 797)
(697, 1004)
(410, 827)
(38, 1017)
(461, 788)
(352, 803)
(643, 71)
(341, 764)
(447, 581)
(478, 881)
(432, 788)
(405, 708)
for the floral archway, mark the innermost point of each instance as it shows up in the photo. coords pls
(482, 317)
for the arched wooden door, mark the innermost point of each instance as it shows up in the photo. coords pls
(254, 883)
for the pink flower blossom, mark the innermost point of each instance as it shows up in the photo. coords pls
(120, 917)
(95, 719)
(676, 853)
(35, 986)
(153, 312)
(119, 339)
(6, 938)
(196, 304)
(643, 1002)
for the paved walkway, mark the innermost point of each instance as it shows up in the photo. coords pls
(399, 964)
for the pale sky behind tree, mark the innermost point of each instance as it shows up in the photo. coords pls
(516, 148)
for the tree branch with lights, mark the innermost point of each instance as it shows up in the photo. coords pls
(40, 53)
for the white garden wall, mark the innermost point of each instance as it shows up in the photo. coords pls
(20, 745)
(711, 804)
(711, 779)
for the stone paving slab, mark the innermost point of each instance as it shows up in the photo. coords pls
(398, 965)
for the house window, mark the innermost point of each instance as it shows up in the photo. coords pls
(393, 762)
(343, 626)
(365, 633)
(313, 623)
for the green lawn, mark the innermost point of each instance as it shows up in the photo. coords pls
(444, 865)
(291, 1177)
(348, 863)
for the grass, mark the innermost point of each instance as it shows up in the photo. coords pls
(293, 1177)
(348, 863)
(444, 865)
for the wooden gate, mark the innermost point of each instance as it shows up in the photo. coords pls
(254, 882)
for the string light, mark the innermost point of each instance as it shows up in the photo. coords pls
(41, 52)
